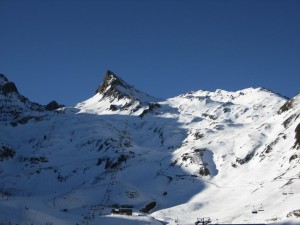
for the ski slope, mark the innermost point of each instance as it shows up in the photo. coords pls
(221, 154)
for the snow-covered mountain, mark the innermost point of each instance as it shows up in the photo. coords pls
(230, 156)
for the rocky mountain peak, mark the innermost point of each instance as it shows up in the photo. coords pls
(114, 94)
(16, 104)
(113, 86)
(7, 86)
(3, 78)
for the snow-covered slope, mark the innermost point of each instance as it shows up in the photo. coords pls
(230, 156)
(113, 95)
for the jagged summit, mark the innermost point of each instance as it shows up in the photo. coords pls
(7, 86)
(114, 86)
(114, 94)
(3, 78)
(14, 104)
(111, 79)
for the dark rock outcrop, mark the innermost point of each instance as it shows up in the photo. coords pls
(53, 105)
(297, 136)
(113, 107)
(112, 86)
(8, 87)
(3, 78)
(151, 108)
(6, 153)
(113, 89)
(148, 207)
(288, 105)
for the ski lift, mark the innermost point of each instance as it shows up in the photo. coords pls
(203, 221)
(261, 208)
(291, 192)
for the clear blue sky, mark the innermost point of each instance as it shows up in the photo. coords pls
(60, 49)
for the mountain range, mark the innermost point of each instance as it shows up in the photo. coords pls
(225, 157)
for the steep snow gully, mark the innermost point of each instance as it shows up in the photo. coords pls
(216, 157)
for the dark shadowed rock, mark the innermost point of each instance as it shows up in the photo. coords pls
(151, 108)
(53, 105)
(6, 153)
(203, 171)
(113, 86)
(8, 87)
(297, 136)
(113, 107)
(114, 89)
(148, 207)
(3, 78)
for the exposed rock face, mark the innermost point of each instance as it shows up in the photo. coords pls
(286, 106)
(7, 86)
(294, 213)
(53, 105)
(120, 96)
(297, 136)
(148, 207)
(112, 86)
(3, 78)
(6, 153)
(151, 108)
(14, 106)
(289, 104)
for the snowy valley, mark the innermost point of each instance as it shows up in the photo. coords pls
(230, 156)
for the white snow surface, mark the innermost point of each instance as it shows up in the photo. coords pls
(221, 154)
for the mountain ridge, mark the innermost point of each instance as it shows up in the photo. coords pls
(219, 154)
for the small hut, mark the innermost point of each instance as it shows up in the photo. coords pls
(122, 211)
